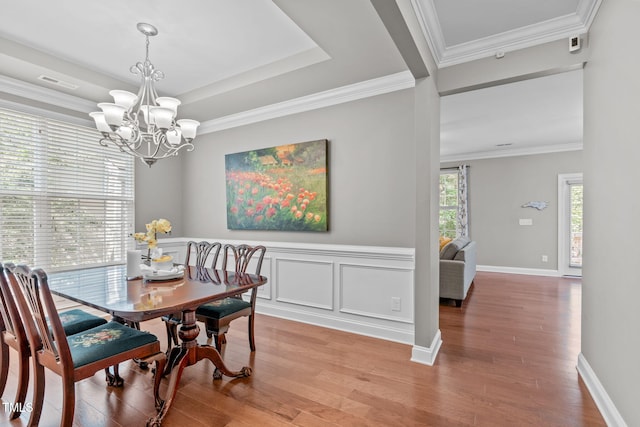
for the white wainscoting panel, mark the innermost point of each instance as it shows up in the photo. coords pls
(366, 290)
(305, 282)
(372, 290)
(264, 291)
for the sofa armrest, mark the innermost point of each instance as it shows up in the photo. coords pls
(452, 279)
(456, 275)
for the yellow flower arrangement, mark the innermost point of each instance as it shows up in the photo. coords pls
(153, 228)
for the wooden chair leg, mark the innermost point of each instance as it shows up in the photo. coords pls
(115, 380)
(252, 342)
(38, 393)
(220, 340)
(23, 385)
(68, 401)
(172, 334)
(4, 365)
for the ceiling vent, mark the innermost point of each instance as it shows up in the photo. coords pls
(55, 81)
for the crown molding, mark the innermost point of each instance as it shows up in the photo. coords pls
(365, 89)
(42, 94)
(551, 30)
(427, 16)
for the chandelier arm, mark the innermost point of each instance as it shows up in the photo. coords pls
(120, 143)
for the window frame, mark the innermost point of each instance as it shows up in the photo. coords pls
(444, 208)
(53, 164)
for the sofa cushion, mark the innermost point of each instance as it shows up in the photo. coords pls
(459, 256)
(444, 241)
(452, 248)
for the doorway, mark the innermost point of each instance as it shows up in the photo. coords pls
(570, 209)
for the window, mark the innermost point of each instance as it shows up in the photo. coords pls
(65, 201)
(448, 203)
(575, 190)
(454, 210)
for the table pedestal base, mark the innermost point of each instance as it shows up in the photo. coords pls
(189, 353)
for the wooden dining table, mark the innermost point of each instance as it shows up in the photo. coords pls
(132, 301)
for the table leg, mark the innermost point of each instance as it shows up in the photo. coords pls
(180, 362)
(211, 353)
(189, 353)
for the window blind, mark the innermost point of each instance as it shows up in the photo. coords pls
(65, 201)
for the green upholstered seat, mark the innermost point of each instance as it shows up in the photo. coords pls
(105, 341)
(218, 315)
(222, 308)
(75, 357)
(76, 320)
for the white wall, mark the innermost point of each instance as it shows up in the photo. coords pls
(611, 290)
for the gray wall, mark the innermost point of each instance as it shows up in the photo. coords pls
(159, 193)
(610, 295)
(375, 148)
(371, 172)
(497, 190)
(427, 265)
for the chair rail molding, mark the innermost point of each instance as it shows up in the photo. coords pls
(367, 290)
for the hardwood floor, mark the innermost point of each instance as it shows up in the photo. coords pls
(508, 358)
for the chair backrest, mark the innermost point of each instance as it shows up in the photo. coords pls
(242, 255)
(9, 315)
(202, 251)
(41, 320)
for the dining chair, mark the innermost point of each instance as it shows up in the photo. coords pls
(13, 334)
(217, 315)
(79, 356)
(200, 252)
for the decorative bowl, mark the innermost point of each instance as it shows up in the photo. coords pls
(163, 263)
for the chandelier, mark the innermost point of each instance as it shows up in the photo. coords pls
(144, 125)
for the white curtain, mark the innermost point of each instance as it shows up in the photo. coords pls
(463, 202)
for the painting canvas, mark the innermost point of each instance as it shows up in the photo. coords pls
(278, 188)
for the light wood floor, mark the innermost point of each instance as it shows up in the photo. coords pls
(508, 359)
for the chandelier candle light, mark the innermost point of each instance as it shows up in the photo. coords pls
(144, 125)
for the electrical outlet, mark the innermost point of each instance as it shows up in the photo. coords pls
(545, 258)
(395, 304)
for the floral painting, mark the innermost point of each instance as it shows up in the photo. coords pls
(278, 188)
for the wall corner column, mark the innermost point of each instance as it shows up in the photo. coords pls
(426, 282)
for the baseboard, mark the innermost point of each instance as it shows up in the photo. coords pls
(427, 356)
(518, 270)
(604, 403)
(346, 325)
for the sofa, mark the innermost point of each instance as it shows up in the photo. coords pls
(457, 269)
